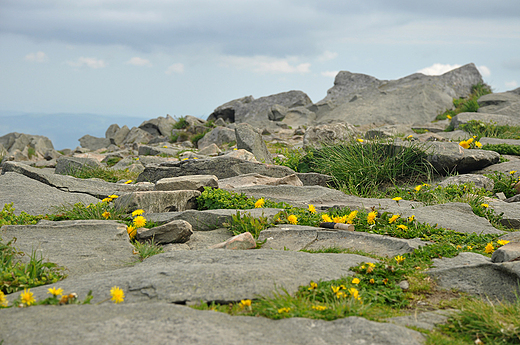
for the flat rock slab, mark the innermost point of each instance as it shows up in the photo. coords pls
(425, 320)
(297, 237)
(511, 213)
(454, 215)
(82, 246)
(477, 275)
(320, 197)
(34, 197)
(211, 275)
(210, 219)
(505, 167)
(163, 323)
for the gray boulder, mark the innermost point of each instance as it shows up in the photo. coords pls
(69, 165)
(119, 137)
(81, 246)
(137, 135)
(299, 116)
(362, 99)
(158, 201)
(276, 112)
(177, 231)
(190, 182)
(249, 139)
(93, 143)
(503, 103)
(217, 136)
(159, 126)
(21, 147)
(112, 130)
(508, 252)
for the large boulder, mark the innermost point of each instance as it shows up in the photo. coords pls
(503, 103)
(361, 99)
(159, 126)
(93, 143)
(249, 139)
(19, 146)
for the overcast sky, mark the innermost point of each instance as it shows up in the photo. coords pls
(156, 57)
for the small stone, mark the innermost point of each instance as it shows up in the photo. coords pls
(177, 231)
(501, 196)
(242, 241)
(404, 285)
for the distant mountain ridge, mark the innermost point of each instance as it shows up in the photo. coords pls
(63, 129)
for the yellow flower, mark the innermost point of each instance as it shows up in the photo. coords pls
(489, 248)
(326, 218)
(27, 297)
(292, 219)
(3, 300)
(117, 294)
(359, 140)
(113, 196)
(470, 247)
(355, 281)
(335, 289)
(339, 219)
(139, 221)
(410, 136)
(340, 294)
(397, 198)
(319, 307)
(399, 259)
(137, 213)
(165, 147)
(478, 144)
(106, 214)
(512, 172)
(131, 231)
(402, 227)
(185, 159)
(459, 246)
(464, 144)
(371, 217)
(449, 117)
(371, 264)
(128, 182)
(470, 140)
(385, 281)
(354, 292)
(351, 216)
(107, 200)
(312, 209)
(484, 205)
(502, 242)
(55, 292)
(259, 203)
(418, 188)
(245, 303)
(284, 310)
(411, 218)
(313, 286)
(372, 281)
(393, 218)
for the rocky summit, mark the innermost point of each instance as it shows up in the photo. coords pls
(166, 166)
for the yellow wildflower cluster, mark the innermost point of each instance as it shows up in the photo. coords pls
(326, 218)
(470, 143)
(245, 303)
(284, 310)
(138, 222)
(489, 248)
(319, 307)
(292, 219)
(110, 198)
(3, 300)
(259, 203)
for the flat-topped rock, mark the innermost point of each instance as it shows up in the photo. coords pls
(497, 119)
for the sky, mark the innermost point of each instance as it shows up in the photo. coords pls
(186, 57)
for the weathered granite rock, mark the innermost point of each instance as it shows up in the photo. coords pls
(478, 181)
(242, 241)
(330, 134)
(276, 112)
(226, 111)
(19, 141)
(158, 201)
(211, 219)
(82, 246)
(137, 135)
(34, 197)
(192, 276)
(93, 143)
(464, 118)
(177, 231)
(222, 167)
(454, 215)
(510, 213)
(201, 240)
(69, 165)
(164, 323)
(477, 275)
(210, 150)
(508, 252)
(190, 182)
(217, 136)
(504, 103)
(257, 179)
(299, 116)
(248, 139)
(298, 237)
(120, 135)
(159, 126)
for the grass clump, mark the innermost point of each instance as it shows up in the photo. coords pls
(503, 149)
(102, 173)
(180, 123)
(491, 130)
(147, 249)
(468, 104)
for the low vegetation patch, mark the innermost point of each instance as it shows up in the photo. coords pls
(105, 174)
(503, 149)
(468, 104)
(491, 130)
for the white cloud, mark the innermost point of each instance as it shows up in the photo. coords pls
(36, 57)
(267, 64)
(327, 55)
(89, 62)
(484, 70)
(330, 74)
(175, 68)
(511, 84)
(438, 69)
(137, 61)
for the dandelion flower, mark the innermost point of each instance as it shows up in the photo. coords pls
(469, 247)
(502, 242)
(259, 203)
(371, 218)
(339, 219)
(165, 147)
(117, 294)
(312, 209)
(292, 219)
(351, 216)
(326, 218)
(371, 264)
(418, 188)
(512, 172)
(335, 289)
(402, 227)
(478, 144)
(410, 136)
(131, 231)
(313, 286)
(113, 196)
(340, 294)
(359, 140)
(449, 117)
(354, 292)
(372, 281)
(284, 310)
(470, 140)
(393, 218)
(27, 297)
(355, 281)
(3, 300)
(139, 221)
(484, 205)
(55, 292)
(128, 182)
(397, 198)
(319, 307)
(399, 259)
(489, 248)
(464, 144)
(245, 303)
(107, 200)
(411, 218)
(137, 213)
(106, 214)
